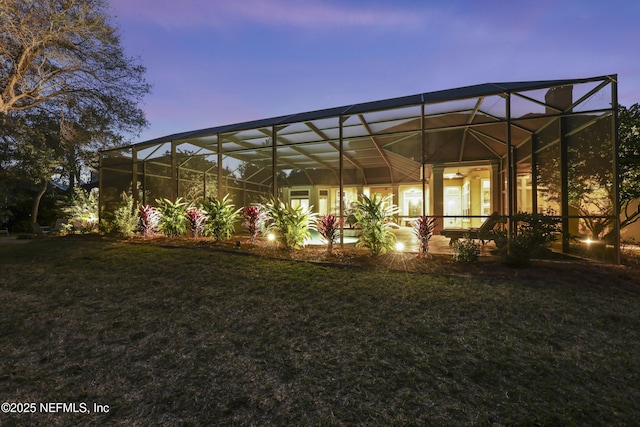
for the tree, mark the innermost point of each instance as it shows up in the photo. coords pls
(590, 172)
(51, 49)
(66, 88)
(629, 155)
(32, 154)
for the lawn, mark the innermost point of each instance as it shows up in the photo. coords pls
(173, 336)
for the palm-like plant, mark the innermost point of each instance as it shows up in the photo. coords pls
(173, 217)
(328, 226)
(374, 215)
(148, 219)
(254, 220)
(221, 217)
(423, 229)
(197, 219)
(290, 223)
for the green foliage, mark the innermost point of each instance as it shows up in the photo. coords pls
(373, 215)
(290, 224)
(68, 89)
(105, 226)
(423, 229)
(221, 217)
(125, 217)
(532, 236)
(629, 154)
(466, 250)
(328, 226)
(173, 217)
(83, 208)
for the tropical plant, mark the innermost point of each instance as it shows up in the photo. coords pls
(253, 221)
(125, 218)
(221, 217)
(291, 224)
(423, 228)
(466, 250)
(328, 226)
(374, 215)
(149, 218)
(197, 219)
(173, 217)
(83, 208)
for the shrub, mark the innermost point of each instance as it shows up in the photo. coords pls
(83, 208)
(173, 217)
(104, 227)
(254, 221)
(291, 224)
(466, 250)
(125, 218)
(423, 229)
(221, 217)
(148, 220)
(197, 219)
(373, 215)
(532, 236)
(328, 226)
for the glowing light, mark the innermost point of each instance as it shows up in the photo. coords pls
(399, 246)
(271, 237)
(588, 241)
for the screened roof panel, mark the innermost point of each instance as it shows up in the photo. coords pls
(319, 149)
(154, 151)
(459, 105)
(191, 148)
(395, 125)
(494, 106)
(395, 114)
(594, 97)
(325, 123)
(299, 138)
(354, 131)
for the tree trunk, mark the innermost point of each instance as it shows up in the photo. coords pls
(36, 202)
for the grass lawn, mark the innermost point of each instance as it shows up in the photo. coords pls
(190, 336)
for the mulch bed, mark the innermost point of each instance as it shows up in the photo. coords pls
(563, 270)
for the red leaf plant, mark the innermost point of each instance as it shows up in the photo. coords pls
(328, 226)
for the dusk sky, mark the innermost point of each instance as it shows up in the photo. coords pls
(217, 62)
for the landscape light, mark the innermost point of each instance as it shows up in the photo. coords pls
(399, 246)
(271, 237)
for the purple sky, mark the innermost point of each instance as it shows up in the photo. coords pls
(216, 62)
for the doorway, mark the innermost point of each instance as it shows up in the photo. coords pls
(452, 206)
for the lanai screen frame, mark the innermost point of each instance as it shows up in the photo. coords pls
(388, 142)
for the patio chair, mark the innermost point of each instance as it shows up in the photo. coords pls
(484, 233)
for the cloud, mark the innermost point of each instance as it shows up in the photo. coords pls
(319, 15)
(287, 13)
